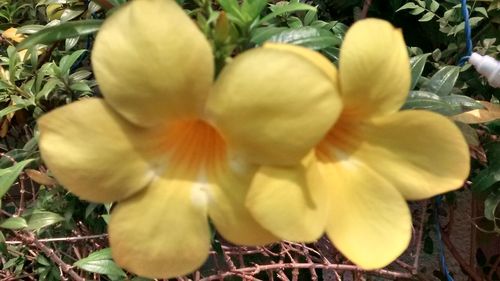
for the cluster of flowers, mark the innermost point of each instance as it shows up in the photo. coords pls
(281, 145)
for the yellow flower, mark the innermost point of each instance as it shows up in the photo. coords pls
(11, 34)
(355, 181)
(150, 144)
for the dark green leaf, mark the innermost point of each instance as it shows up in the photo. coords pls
(485, 180)
(60, 32)
(490, 205)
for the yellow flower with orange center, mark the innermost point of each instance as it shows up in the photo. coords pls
(354, 183)
(151, 145)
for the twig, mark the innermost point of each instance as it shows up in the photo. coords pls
(463, 264)
(494, 268)
(366, 7)
(30, 239)
(418, 247)
(281, 266)
(62, 239)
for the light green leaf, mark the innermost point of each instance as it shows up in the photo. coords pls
(434, 6)
(292, 7)
(307, 36)
(427, 17)
(443, 81)
(260, 35)
(80, 87)
(407, 6)
(100, 262)
(60, 32)
(417, 64)
(14, 223)
(41, 219)
(462, 103)
(9, 175)
(67, 61)
(48, 88)
(417, 11)
(9, 109)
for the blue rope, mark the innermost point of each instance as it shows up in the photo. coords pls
(442, 258)
(468, 36)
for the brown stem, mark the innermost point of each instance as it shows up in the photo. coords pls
(281, 266)
(418, 247)
(30, 239)
(366, 7)
(494, 268)
(463, 264)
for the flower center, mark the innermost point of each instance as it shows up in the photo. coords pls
(193, 147)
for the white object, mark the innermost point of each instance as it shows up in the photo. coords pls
(488, 67)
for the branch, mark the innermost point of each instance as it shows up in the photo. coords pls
(463, 264)
(62, 239)
(280, 266)
(30, 239)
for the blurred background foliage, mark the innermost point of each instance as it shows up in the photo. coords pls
(48, 234)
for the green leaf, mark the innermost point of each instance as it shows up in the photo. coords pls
(9, 109)
(490, 205)
(307, 36)
(427, 17)
(14, 223)
(442, 82)
(80, 87)
(462, 103)
(260, 35)
(100, 262)
(41, 219)
(417, 11)
(48, 88)
(283, 9)
(60, 32)
(232, 8)
(408, 6)
(434, 6)
(67, 61)
(417, 64)
(253, 8)
(9, 175)
(485, 179)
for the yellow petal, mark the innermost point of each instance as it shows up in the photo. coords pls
(291, 202)
(273, 105)
(227, 209)
(369, 220)
(421, 153)
(93, 151)
(374, 68)
(11, 34)
(161, 232)
(476, 116)
(152, 63)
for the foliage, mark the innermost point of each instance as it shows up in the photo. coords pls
(52, 68)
